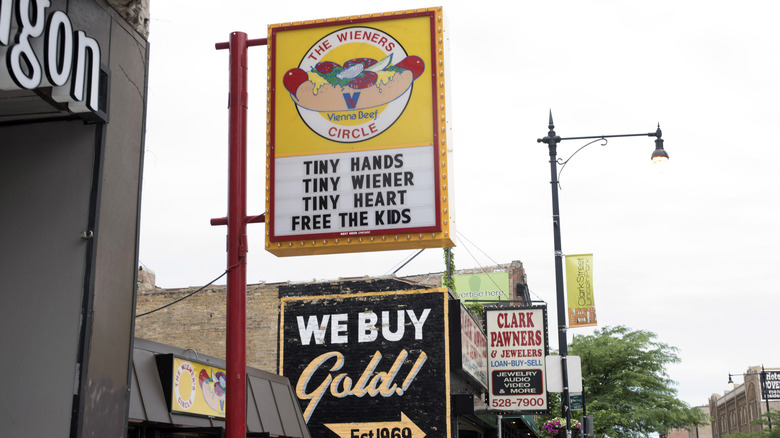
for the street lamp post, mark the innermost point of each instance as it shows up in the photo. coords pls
(552, 140)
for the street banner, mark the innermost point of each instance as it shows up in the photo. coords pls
(517, 346)
(369, 364)
(483, 286)
(579, 290)
(357, 135)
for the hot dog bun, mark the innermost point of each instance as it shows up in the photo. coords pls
(319, 95)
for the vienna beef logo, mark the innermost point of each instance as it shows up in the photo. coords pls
(353, 84)
(46, 52)
(371, 382)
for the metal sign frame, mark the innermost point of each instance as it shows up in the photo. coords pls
(312, 209)
(517, 346)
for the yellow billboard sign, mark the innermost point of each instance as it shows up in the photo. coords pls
(192, 387)
(579, 290)
(357, 135)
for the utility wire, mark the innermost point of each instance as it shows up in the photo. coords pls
(461, 235)
(184, 297)
(475, 246)
(484, 270)
(403, 262)
(410, 259)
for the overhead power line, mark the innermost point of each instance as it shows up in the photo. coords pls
(182, 298)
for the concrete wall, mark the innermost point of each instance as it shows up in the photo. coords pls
(42, 264)
(68, 251)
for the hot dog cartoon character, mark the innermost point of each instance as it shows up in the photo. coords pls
(357, 84)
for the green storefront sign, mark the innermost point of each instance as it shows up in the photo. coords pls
(490, 286)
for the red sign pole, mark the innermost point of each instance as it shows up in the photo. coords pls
(235, 403)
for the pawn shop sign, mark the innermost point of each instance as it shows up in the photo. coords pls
(357, 140)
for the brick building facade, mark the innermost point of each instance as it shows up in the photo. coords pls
(735, 410)
(694, 431)
(194, 319)
(198, 322)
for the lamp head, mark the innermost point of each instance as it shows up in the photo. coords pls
(659, 154)
(731, 382)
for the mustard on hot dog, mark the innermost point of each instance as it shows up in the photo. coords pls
(358, 84)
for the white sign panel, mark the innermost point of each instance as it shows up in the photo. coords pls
(347, 194)
(517, 346)
(554, 373)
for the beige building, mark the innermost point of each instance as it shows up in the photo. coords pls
(735, 410)
(694, 431)
(193, 320)
(198, 321)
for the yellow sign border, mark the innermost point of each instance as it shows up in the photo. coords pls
(446, 310)
(200, 405)
(371, 240)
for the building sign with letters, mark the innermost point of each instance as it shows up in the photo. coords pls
(468, 345)
(192, 387)
(483, 286)
(40, 48)
(771, 384)
(517, 346)
(369, 364)
(357, 136)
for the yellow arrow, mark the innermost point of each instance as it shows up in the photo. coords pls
(388, 429)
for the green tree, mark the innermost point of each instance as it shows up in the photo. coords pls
(628, 391)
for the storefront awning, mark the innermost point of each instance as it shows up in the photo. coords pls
(271, 404)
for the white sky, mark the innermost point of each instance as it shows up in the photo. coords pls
(685, 252)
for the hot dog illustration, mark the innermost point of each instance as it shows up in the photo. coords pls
(213, 389)
(359, 83)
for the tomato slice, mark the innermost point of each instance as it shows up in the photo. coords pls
(364, 80)
(326, 66)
